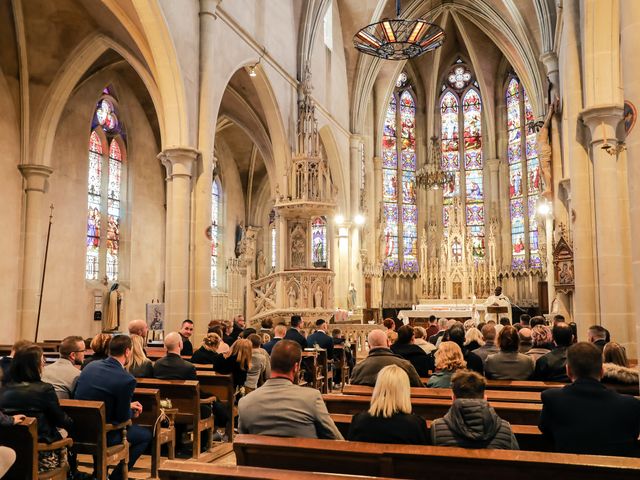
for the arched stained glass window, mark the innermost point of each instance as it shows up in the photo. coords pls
(319, 242)
(461, 110)
(215, 231)
(399, 204)
(92, 269)
(525, 181)
(105, 192)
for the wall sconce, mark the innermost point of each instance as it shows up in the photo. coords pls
(611, 149)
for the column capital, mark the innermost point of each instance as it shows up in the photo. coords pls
(493, 164)
(209, 7)
(355, 139)
(35, 175)
(179, 161)
(602, 121)
(550, 61)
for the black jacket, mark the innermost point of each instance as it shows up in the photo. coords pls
(472, 423)
(5, 366)
(474, 362)
(187, 347)
(202, 355)
(401, 428)
(230, 365)
(270, 344)
(173, 367)
(235, 333)
(296, 336)
(323, 340)
(587, 417)
(552, 366)
(39, 400)
(420, 360)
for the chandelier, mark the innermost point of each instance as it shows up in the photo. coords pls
(430, 175)
(398, 39)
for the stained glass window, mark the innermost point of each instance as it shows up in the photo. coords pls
(461, 110)
(399, 181)
(525, 181)
(272, 228)
(104, 192)
(319, 242)
(215, 231)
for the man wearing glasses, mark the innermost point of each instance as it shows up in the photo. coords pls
(63, 373)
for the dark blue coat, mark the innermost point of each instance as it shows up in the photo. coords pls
(323, 340)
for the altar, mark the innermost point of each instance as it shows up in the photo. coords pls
(444, 308)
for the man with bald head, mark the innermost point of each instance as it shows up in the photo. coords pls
(173, 366)
(138, 327)
(380, 355)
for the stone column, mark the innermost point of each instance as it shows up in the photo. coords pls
(34, 243)
(612, 258)
(200, 270)
(355, 275)
(179, 162)
(630, 39)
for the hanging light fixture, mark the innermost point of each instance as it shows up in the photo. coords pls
(399, 39)
(430, 175)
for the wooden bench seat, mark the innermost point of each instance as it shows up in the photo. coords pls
(149, 398)
(529, 436)
(445, 393)
(205, 471)
(222, 387)
(90, 435)
(185, 396)
(419, 462)
(432, 408)
(23, 439)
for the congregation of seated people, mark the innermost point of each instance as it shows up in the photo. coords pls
(266, 366)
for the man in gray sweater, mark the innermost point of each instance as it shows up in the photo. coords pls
(471, 422)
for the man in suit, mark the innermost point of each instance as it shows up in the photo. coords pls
(321, 338)
(107, 381)
(172, 366)
(279, 333)
(282, 408)
(238, 327)
(489, 347)
(587, 417)
(295, 332)
(597, 335)
(551, 367)
(185, 332)
(64, 372)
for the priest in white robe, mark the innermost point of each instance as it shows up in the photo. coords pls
(498, 300)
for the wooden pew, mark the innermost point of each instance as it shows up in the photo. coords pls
(341, 364)
(205, 471)
(522, 385)
(529, 436)
(185, 396)
(149, 398)
(207, 367)
(432, 408)
(90, 435)
(23, 439)
(419, 462)
(445, 393)
(222, 387)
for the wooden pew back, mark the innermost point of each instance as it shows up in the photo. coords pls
(432, 408)
(405, 461)
(23, 439)
(86, 413)
(184, 395)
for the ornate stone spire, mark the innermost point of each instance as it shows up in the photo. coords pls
(308, 139)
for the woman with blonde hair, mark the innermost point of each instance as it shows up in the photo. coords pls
(236, 361)
(389, 418)
(208, 351)
(473, 339)
(139, 365)
(449, 358)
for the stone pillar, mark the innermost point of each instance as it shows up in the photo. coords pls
(179, 162)
(355, 273)
(34, 243)
(200, 269)
(630, 39)
(612, 259)
(579, 169)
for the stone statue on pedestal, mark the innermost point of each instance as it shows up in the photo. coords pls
(351, 298)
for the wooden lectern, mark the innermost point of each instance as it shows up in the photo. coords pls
(497, 309)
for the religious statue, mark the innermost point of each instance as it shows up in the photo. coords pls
(261, 264)
(317, 297)
(351, 298)
(544, 150)
(240, 232)
(292, 297)
(114, 304)
(423, 252)
(298, 247)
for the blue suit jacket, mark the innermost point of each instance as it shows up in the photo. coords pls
(323, 340)
(107, 381)
(270, 344)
